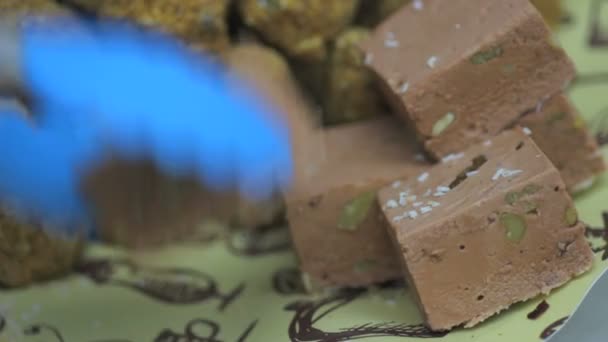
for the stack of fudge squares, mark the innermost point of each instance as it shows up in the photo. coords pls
(490, 221)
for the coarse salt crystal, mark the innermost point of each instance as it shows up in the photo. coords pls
(505, 173)
(439, 194)
(423, 177)
(425, 210)
(418, 5)
(527, 131)
(413, 214)
(403, 201)
(443, 189)
(453, 156)
(404, 87)
(369, 58)
(396, 184)
(432, 61)
(392, 204)
(390, 40)
(487, 143)
(417, 204)
(434, 204)
(472, 173)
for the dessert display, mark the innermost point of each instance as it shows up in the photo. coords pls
(447, 153)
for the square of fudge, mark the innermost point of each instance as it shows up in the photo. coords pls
(560, 131)
(464, 70)
(335, 222)
(487, 228)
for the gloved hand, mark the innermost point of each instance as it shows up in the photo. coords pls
(110, 87)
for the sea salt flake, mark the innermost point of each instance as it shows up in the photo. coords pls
(487, 143)
(434, 204)
(392, 204)
(404, 87)
(391, 41)
(472, 173)
(423, 177)
(417, 204)
(418, 5)
(413, 214)
(504, 173)
(439, 194)
(443, 189)
(527, 131)
(425, 210)
(432, 61)
(451, 157)
(403, 201)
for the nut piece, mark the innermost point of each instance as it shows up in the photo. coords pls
(442, 124)
(571, 216)
(515, 226)
(483, 57)
(356, 210)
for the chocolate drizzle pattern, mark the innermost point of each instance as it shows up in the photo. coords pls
(170, 285)
(191, 332)
(552, 328)
(595, 233)
(307, 313)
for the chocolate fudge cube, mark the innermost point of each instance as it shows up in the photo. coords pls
(335, 222)
(462, 70)
(491, 227)
(560, 131)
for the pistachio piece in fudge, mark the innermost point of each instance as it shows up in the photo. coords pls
(483, 231)
(472, 73)
(335, 222)
(561, 132)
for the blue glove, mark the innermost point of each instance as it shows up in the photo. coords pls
(110, 87)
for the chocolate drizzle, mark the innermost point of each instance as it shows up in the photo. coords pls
(552, 328)
(540, 309)
(170, 285)
(307, 313)
(602, 233)
(191, 334)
